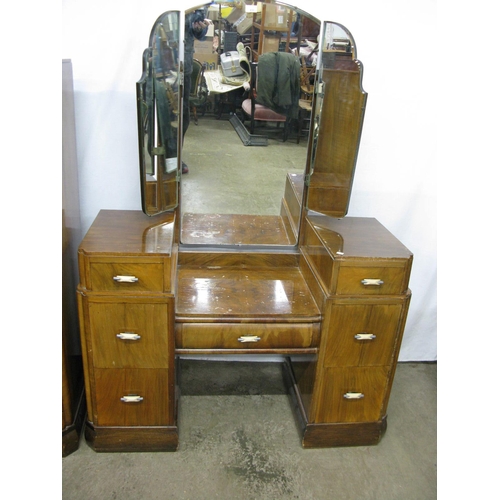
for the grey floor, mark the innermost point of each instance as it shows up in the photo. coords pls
(227, 177)
(239, 440)
(238, 436)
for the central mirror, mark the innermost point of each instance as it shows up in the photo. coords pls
(249, 114)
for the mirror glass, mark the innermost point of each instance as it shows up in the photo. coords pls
(240, 187)
(158, 104)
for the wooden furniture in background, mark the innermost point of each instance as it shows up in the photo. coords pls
(267, 32)
(73, 400)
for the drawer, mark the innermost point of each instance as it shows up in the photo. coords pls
(246, 336)
(129, 334)
(376, 280)
(362, 335)
(126, 397)
(352, 394)
(127, 275)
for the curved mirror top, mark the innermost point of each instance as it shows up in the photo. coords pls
(230, 119)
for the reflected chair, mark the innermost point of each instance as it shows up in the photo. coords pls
(307, 74)
(259, 112)
(198, 93)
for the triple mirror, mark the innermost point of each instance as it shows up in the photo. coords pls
(234, 180)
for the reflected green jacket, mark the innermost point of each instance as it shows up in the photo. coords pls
(278, 83)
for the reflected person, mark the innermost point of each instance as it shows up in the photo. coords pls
(196, 27)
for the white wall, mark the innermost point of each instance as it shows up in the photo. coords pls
(396, 171)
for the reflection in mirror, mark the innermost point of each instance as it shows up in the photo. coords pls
(276, 108)
(237, 192)
(158, 104)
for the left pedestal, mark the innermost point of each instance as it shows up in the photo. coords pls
(126, 308)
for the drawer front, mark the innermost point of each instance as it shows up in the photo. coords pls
(352, 394)
(125, 276)
(246, 336)
(362, 335)
(131, 397)
(129, 334)
(389, 280)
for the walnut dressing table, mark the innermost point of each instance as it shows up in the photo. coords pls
(336, 308)
(327, 293)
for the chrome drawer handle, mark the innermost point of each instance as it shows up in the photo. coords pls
(128, 336)
(365, 336)
(132, 398)
(372, 282)
(125, 279)
(248, 338)
(354, 395)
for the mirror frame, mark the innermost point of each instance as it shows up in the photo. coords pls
(317, 183)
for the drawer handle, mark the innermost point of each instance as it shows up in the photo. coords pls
(372, 282)
(354, 395)
(125, 279)
(128, 336)
(248, 338)
(132, 398)
(365, 336)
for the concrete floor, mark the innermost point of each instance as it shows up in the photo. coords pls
(227, 177)
(239, 440)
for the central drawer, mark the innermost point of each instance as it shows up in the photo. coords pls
(246, 336)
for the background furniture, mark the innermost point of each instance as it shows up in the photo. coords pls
(275, 22)
(199, 93)
(259, 112)
(73, 398)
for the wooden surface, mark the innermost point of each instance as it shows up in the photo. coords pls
(358, 237)
(341, 122)
(128, 243)
(308, 300)
(113, 384)
(112, 317)
(132, 438)
(232, 294)
(343, 252)
(240, 337)
(130, 232)
(340, 254)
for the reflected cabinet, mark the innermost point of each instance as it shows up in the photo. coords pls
(324, 292)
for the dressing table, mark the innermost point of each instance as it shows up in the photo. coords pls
(326, 292)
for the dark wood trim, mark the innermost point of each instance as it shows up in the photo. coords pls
(71, 434)
(248, 351)
(343, 434)
(128, 439)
